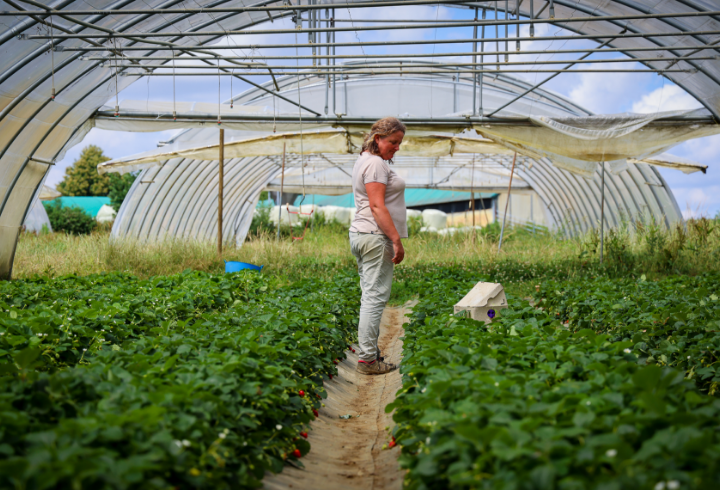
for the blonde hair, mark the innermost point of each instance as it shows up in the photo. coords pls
(384, 127)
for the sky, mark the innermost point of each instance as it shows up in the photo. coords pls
(697, 194)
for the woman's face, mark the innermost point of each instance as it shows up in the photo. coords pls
(389, 144)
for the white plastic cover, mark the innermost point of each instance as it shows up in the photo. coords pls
(574, 144)
(106, 214)
(37, 218)
(433, 218)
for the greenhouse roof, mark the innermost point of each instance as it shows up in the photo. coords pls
(63, 62)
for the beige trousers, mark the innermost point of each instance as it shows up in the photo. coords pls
(374, 255)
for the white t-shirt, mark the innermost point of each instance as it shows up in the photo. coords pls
(371, 168)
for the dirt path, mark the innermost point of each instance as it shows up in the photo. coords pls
(347, 453)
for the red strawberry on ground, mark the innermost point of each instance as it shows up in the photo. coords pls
(304, 434)
(391, 444)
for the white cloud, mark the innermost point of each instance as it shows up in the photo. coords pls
(607, 93)
(670, 97)
(695, 202)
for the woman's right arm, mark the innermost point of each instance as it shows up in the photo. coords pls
(376, 196)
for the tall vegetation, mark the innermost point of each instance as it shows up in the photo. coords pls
(119, 186)
(69, 219)
(82, 178)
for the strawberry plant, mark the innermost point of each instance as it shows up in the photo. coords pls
(670, 322)
(184, 381)
(534, 402)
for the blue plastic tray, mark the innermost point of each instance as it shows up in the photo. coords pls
(238, 266)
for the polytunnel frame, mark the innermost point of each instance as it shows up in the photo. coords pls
(82, 25)
(572, 201)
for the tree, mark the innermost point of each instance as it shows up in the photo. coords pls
(82, 178)
(119, 187)
(69, 219)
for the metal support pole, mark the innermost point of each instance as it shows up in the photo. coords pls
(517, 29)
(602, 213)
(475, 77)
(532, 16)
(507, 31)
(282, 184)
(502, 230)
(482, 66)
(328, 36)
(221, 175)
(333, 75)
(497, 36)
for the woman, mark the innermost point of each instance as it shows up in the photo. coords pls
(376, 232)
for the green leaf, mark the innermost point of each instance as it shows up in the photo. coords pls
(25, 357)
(647, 377)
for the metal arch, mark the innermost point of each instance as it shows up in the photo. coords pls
(700, 69)
(71, 59)
(177, 169)
(562, 102)
(207, 204)
(241, 194)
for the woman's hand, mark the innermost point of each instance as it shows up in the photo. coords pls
(399, 252)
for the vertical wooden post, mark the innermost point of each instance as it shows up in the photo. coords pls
(602, 213)
(282, 184)
(221, 175)
(502, 230)
(472, 196)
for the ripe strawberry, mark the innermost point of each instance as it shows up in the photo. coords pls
(304, 434)
(334, 361)
(391, 444)
(315, 412)
(393, 438)
(297, 453)
(301, 393)
(330, 376)
(317, 395)
(353, 350)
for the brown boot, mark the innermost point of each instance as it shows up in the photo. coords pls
(375, 367)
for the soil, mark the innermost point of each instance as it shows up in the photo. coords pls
(347, 453)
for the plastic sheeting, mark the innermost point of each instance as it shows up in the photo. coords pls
(332, 141)
(37, 218)
(575, 144)
(48, 193)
